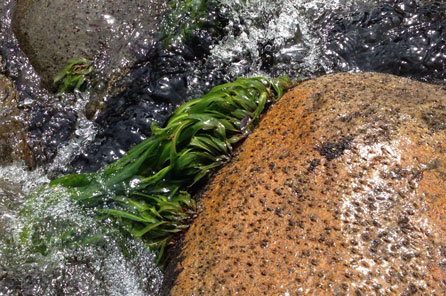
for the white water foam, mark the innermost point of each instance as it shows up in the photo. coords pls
(83, 136)
(289, 29)
(41, 249)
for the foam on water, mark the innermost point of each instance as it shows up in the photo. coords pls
(84, 135)
(51, 246)
(16, 176)
(272, 38)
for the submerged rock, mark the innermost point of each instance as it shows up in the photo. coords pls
(13, 143)
(52, 32)
(339, 191)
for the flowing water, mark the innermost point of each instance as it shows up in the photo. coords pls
(37, 252)
(299, 38)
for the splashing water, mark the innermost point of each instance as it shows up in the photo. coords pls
(273, 38)
(84, 135)
(57, 248)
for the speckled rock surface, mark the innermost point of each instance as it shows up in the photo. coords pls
(52, 32)
(341, 190)
(13, 144)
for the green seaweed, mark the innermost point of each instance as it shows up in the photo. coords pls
(148, 191)
(76, 75)
(50, 223)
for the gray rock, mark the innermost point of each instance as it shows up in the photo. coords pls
(113, 32)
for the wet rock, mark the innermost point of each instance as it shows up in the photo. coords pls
(347, 226)
(13, 143)
(115, 32)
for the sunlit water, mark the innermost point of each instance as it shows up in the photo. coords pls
(41, 249)
(299, 38)
(273, 38)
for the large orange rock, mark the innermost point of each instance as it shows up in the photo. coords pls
(341, 190)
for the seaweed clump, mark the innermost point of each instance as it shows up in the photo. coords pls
(76, 75)
(147, 192)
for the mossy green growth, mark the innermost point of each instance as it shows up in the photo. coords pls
(186, 16)
(76, 75)
(148, 190)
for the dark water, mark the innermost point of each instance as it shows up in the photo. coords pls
(405, 38)
(152, 90)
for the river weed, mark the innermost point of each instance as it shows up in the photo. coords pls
(148, 190)
(74, 76)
